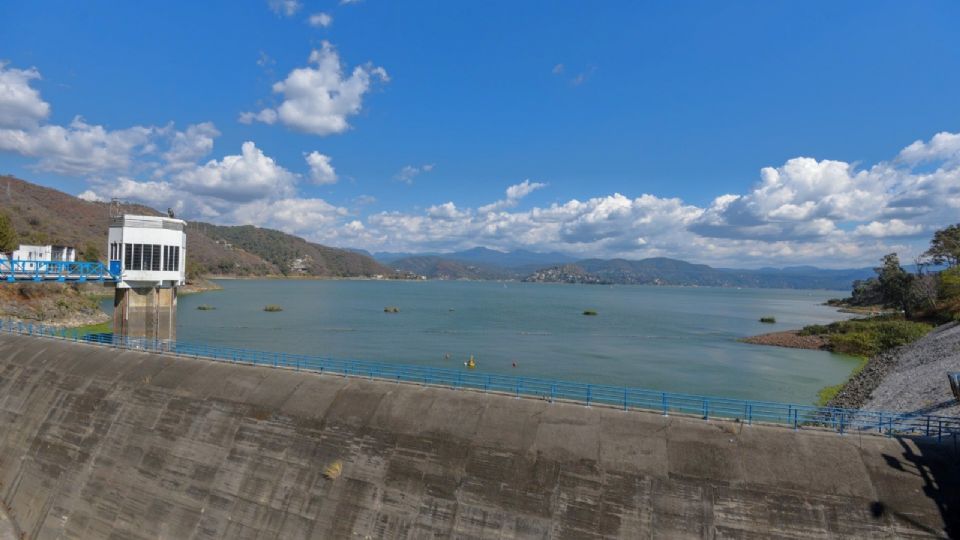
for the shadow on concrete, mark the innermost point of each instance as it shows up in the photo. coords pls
(938, 465)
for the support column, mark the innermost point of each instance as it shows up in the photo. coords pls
(145, 312)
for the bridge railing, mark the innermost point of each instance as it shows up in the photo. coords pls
(31, 270)
(625, 398)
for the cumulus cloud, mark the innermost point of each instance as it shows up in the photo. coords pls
(321, 170)
(514, 194)
(894, 227)
(241, 178)
(320, 20)
(943, 146)
(79, 148)
(409, 172)
(20, 104)
(319, 99)
(190, 145)
(286, 8)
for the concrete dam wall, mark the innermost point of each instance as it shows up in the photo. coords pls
(100, 443)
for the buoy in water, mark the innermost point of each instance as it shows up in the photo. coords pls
(470, 363)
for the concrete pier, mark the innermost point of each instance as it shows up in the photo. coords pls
(103, 443)
(145, 312)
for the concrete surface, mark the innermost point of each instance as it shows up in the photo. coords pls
(97, 443)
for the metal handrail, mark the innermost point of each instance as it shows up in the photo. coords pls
(12, 270)
(749, 412)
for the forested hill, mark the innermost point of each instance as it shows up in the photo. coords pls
(292, 254)
(42, 215)
(664, 271)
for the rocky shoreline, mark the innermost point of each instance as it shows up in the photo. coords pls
(790, 339)
(911, 378)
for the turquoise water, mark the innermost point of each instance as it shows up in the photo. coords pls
(665, 338)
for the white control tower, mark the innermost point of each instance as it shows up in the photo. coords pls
(149, 254)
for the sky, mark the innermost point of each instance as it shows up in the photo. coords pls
(740, 134)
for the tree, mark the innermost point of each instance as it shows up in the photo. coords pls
(8, 236)
(91, 252)
(945, 246)
(895, 283)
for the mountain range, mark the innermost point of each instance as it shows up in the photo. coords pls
(43, 216)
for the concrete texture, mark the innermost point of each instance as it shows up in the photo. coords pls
(97, 443)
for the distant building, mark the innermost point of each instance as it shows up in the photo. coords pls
(45, 253)
(28, 252)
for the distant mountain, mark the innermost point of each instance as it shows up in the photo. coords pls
(41, 215)
(440, 268)
(664, 271)
(476, 263)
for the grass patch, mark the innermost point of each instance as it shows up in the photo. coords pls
(99, 328)
(827, 393)
(768, 320)
(868, 337)
(272, 308)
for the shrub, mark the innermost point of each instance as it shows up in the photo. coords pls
(273, 308)
(868, 337)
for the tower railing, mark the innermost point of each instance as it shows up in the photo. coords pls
(13, 270)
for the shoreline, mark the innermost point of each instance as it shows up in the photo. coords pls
(790, 339)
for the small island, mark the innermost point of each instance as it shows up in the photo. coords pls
(272, 308)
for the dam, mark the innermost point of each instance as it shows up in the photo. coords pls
(97, 442)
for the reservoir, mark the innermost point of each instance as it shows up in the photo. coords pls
(678, 339)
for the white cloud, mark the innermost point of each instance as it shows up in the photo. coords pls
(20, 104)
(319, 99)
(557, 69)
(286, 8)
(514, 194)
(187, 147)
(942, 146)
(240, 178)
(320, 20)
(347, 2)
(409, 172)
(80, 148)
(894, 227)
(321, 171)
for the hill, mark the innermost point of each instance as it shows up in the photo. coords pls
(441, 268)
(43, 215)
(664, 271)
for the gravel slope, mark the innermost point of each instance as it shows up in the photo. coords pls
(912, 378)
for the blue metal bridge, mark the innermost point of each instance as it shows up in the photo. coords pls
(16, 270)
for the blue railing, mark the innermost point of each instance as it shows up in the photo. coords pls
(62, 271)
(666, 403)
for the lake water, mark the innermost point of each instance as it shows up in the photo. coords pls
(664, 338)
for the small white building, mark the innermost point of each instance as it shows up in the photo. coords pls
(44, 253)
(147, 251)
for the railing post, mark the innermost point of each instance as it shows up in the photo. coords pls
(706, 409)
(928, 427)
(749, 414)
(795, 423)
(663, 398)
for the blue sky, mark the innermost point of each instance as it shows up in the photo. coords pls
(728, 133)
